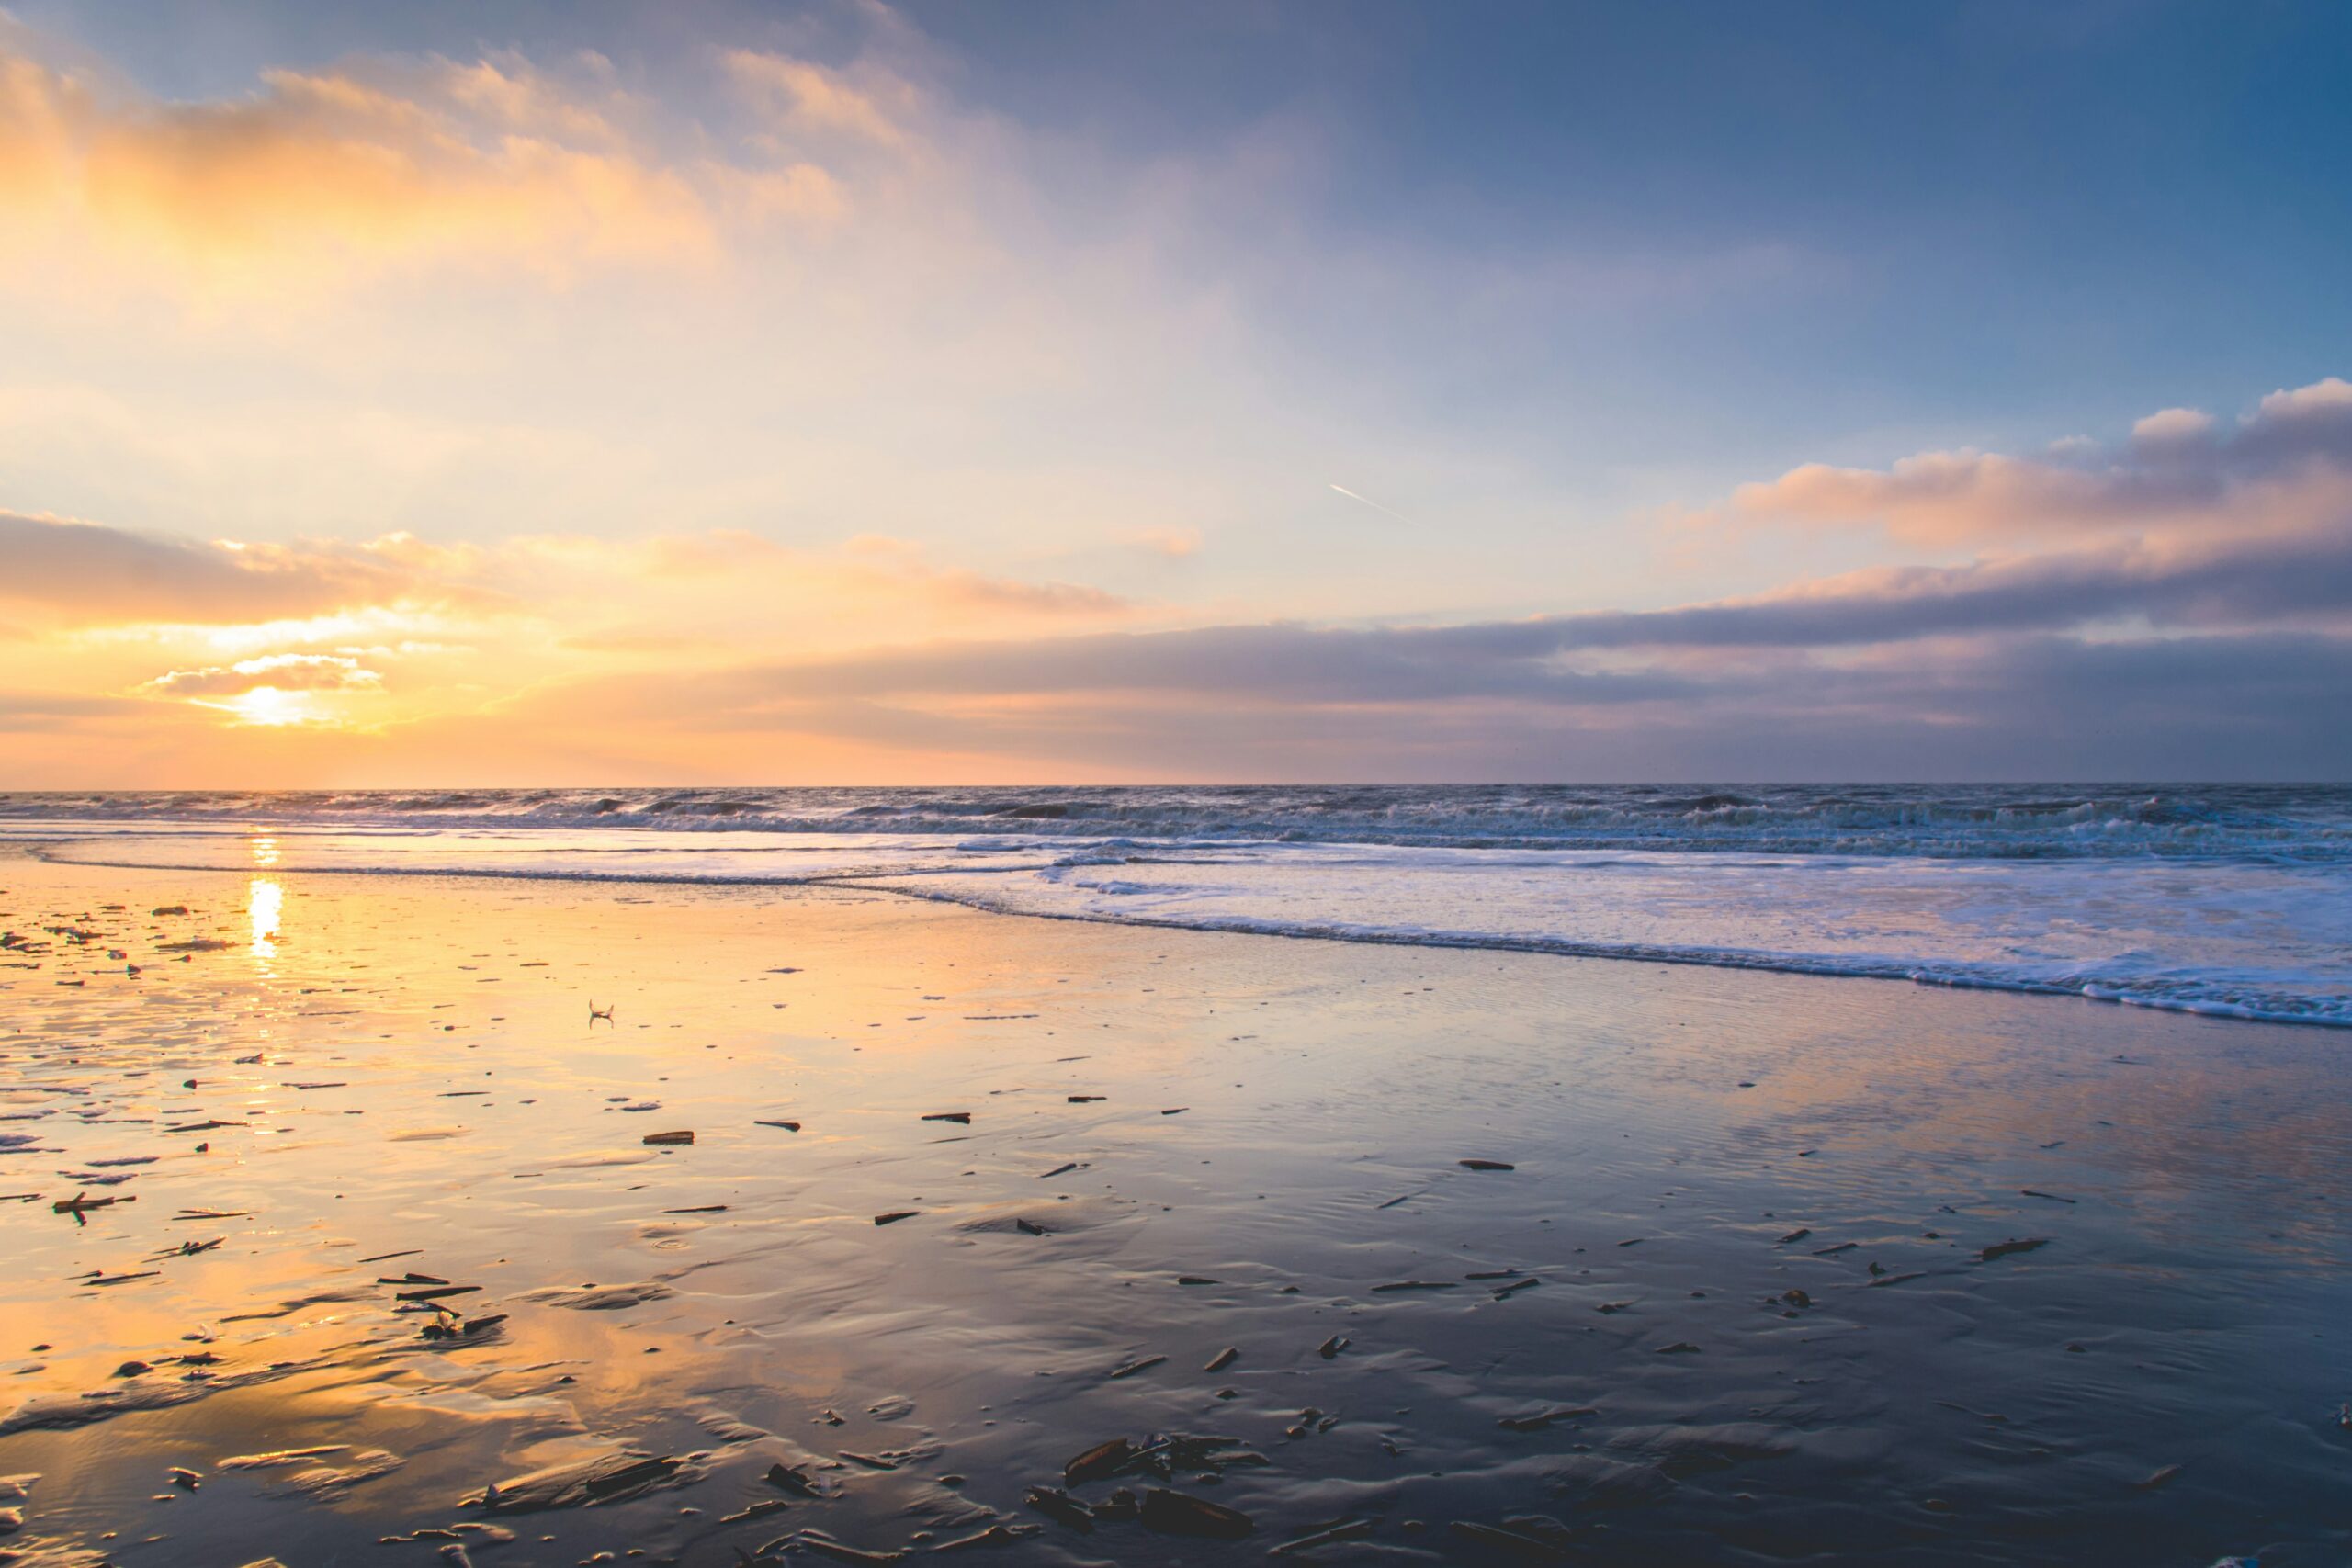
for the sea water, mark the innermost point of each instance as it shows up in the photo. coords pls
(2233, 900)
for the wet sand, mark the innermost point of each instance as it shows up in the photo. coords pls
(1744, 1295)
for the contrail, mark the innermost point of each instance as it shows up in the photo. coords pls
(1373, 504)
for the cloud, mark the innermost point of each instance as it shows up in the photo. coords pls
(2173, 426)
(2240, 705)
(2016, 662)
(90, 574)
(2193, 585)
(735, 653)
(1245, 665)
(371, 163)
(868, 565)
(2208, 588)
(280, 672)
(41, 712)
(811, 98)
(979, 591)
(2287, 464)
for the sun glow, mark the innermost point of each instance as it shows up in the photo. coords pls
(268, 705)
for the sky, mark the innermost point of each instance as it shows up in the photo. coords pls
(840, 393)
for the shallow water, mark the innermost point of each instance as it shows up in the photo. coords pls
(409, 1067)
(2230, 901)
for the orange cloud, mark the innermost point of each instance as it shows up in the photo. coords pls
(282, 671)
(371, 164)
(405, 630)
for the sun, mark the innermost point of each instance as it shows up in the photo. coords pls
(269, 705)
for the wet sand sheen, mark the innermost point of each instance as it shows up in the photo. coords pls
(1398, 1255)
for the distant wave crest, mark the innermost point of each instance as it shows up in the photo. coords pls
(1948, 822)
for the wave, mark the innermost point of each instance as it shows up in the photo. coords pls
(2041, 821)
(2256, 937)
(2203, 996)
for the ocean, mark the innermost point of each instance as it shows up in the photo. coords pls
(2230, 900)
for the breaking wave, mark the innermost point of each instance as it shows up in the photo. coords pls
(2231, 900)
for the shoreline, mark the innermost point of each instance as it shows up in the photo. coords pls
(1319, 1102)
(1845, 967)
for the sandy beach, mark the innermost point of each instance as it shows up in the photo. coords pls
(1359, 1254)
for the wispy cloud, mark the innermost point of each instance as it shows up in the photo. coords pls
(812, 99)
(91, 574)
(340, 171)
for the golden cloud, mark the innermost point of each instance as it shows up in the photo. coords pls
(404, 630)
(284, 671)
(372, 164)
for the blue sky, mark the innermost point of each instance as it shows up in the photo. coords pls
(1098, 303)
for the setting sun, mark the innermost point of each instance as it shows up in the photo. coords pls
(268, 705)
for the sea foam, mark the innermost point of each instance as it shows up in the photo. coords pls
(2230, 900)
